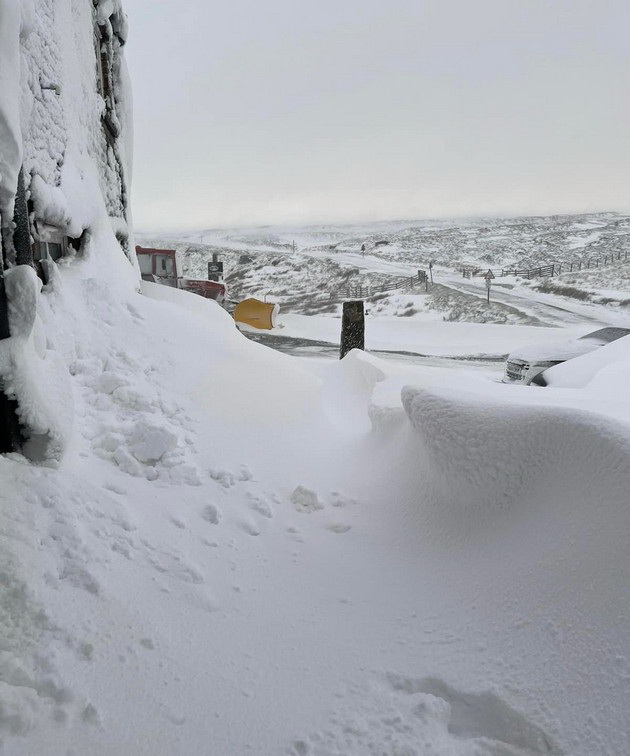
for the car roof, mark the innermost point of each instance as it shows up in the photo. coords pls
(608, 334)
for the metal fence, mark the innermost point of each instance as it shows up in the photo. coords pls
(546, 271)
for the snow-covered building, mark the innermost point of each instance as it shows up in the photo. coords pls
(65, 158)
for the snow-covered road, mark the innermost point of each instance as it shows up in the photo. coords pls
(546, 308)
(532, 303)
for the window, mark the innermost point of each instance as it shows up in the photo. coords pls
(145, 262)
(164, 266)
(50, 250)
(55, 250)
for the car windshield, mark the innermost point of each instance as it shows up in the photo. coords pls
(606, 335)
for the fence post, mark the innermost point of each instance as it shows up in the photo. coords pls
(352, 327)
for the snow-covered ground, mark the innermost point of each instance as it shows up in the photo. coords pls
(245, 552)
(433, 338)
(494, 242)
(217, 548)
(312, 270)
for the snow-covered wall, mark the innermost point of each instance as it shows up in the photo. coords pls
(74, 114)
(65, 166)
(10, 134)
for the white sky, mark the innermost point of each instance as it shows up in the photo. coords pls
(283, 111)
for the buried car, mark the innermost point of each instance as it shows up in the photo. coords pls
(527, 365)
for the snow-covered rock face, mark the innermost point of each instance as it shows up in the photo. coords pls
(65, 121)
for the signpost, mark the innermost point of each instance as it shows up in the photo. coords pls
(489, 276)
(423, 278)
(215, 270)
(431, 269)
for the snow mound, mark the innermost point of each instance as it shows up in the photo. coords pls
(395, 714)
(32, 373)
(578, 372)
(486, 452)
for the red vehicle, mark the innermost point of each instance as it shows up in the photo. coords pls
(164, 266)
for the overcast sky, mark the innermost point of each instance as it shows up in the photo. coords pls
(287, 111)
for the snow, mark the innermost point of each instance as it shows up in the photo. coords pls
(426, 337)
(583, 370)
(223, 549)
(45, 406)
(267, 554)
(476, 242)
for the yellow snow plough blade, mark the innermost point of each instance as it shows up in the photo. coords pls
(256, 314)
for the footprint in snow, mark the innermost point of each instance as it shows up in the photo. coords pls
(211, 514)
(260, 504)
(228, 479)
(223, 478)
(115, 488)
(249, 527)
(339, 500)
(338, 527)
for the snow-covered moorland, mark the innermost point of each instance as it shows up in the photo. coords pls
(310, 270)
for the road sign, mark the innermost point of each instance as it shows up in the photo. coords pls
(215, 269)
(489, 276)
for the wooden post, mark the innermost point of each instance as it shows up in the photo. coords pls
(10, 433)
(352, 327)
(21, 234)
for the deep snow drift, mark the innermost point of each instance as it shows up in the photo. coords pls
(244, 552)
